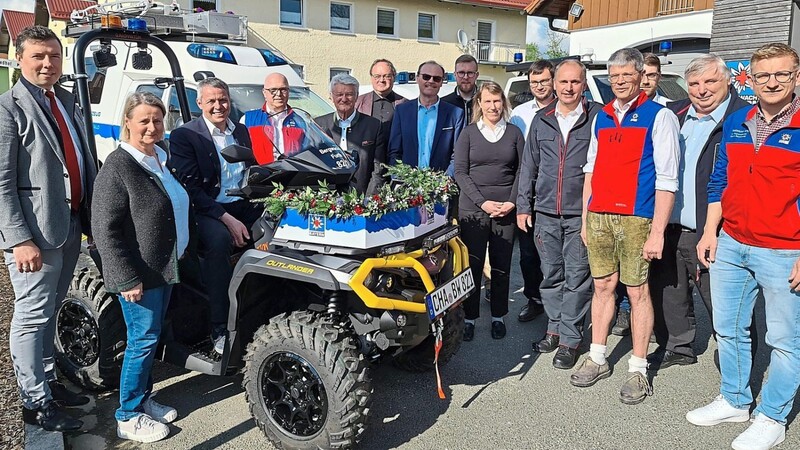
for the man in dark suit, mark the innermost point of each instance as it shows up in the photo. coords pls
(711, 100)
(356, 132)
(382, 101)
(223, 221)
(424, 132)
(46, 176)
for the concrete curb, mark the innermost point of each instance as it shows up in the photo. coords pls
(36, 438)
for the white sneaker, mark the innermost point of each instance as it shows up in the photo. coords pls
(159, 412)
(763, 434)
(142, 428)
(717, 412)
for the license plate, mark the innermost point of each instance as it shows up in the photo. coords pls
(452, 292)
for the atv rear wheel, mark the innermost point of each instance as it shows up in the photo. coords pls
(306, 384)
(420, 357)
(90, 333)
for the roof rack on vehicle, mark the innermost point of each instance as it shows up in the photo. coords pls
(169, 22)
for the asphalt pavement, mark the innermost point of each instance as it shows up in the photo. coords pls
(499, 395)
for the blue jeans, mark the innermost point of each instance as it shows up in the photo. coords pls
(143, 319)
(739, 273)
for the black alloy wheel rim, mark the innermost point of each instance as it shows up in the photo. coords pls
(78, 333)
(293, 395)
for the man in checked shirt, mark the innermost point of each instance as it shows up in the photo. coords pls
(754, 192)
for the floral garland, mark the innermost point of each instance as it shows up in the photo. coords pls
(409, 187)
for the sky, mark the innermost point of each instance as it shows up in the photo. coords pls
(17, 5)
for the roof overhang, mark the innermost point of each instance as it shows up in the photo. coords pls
(551, 9)
(510, 5)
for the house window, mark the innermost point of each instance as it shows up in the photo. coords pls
(387, 22)
(338, 70)
(341, 19)
(426, 26)
(292, 12)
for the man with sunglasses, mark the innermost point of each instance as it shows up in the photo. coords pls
(275, 130)
(424, 132)
(381, 102)
(754, 193)
(466, 79)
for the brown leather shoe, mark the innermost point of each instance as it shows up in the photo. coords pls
(635, 389)
(589, 373)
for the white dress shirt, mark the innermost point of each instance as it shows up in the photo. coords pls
(344, 124)
(230, 174)
(490, 134)
(666, 146)
(523, 115)
(568, 120)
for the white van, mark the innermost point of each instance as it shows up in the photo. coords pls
(406, 85)
(200, 54)
(598, 88)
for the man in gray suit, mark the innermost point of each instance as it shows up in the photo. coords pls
(46, 176)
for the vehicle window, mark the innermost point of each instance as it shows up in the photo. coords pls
(174, 119)
(153, 89)
(245, 97)
(604, 87)
(673, 87)
(519, 93)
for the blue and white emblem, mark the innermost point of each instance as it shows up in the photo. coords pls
(316, 225)
(785, 138)
(635, 117)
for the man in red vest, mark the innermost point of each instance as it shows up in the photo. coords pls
(629, 190)
(754, 192)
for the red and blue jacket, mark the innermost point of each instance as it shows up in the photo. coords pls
(759, 190)
(624, 175)
(261, 130)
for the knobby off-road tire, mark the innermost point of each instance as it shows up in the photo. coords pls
(90, 333)
(420, 357)
(306, 384)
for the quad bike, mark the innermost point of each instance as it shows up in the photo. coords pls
(307, 321)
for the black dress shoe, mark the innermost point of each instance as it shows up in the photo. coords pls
(64, 396)
(530, 311)
(565, 357)
(51, 418)
(548, 344)
(498, 329)
(469, 331)
(662, 360)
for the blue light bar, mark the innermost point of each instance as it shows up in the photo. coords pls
(212, 52)
(137, 24)
(271, 58)
(402, 78)
(665, 46)
(449, 77)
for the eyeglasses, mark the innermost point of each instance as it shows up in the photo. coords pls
(545, 82)
(388, 76)
(427, 77)
(464, 74)
(651, 76)
(343, 94)
(277, 91)
(625, 77)
(784, 76)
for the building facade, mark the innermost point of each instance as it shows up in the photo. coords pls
(326, 37)
(600, 27)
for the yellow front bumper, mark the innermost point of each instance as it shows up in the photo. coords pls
(458, 252)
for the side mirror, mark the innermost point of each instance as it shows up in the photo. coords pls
(237, 153)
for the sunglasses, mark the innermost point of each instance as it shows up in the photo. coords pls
(428, 77)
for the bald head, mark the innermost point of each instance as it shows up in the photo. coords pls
(276, 92)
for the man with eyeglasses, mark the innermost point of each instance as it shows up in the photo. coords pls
(359, 133)
(275, 130)
(424, 132)
(466, 79)
(540, 76)
(382, 101)
(754, 193)
(651, 78)
(628, 193)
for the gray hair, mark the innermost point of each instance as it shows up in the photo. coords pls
(705, 62)
(343, 79)
(575, 62)
(626, 57)
(213, 82)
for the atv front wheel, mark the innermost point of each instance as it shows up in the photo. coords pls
(420, 357)
(90, 333)
(306, 384)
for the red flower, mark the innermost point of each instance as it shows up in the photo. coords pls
(290, 196)
(333, 208)
(313, 203)
(278, 193)
(358, 209)
(376, 197)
